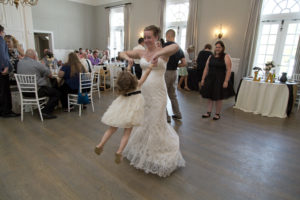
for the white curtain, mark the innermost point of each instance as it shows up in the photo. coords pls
(108, 28)
(162, 9)
(297, 60)
(192, 25)
(127, 9)
(249, 46)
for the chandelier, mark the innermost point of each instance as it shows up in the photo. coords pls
(18, 2)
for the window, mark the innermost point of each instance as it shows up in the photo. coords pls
(116, 20)
(278, 34)
(177, 12)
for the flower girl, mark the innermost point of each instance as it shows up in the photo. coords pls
(126, 111)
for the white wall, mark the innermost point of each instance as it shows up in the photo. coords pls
(72, 24)
(232, 14)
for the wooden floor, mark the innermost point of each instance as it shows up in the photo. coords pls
(242, 156)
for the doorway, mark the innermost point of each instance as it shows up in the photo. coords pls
(43, 40)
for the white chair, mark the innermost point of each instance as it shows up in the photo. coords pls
(114, 69)
(85, 84)
(27, 85)
(296, 78)
(96, 83)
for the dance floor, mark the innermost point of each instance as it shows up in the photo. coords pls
(242, 156)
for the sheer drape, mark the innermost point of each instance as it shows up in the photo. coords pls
(249, 47)
(162, 9)
(297, 60)
(126, 27)
(108, 28)
(192, 25)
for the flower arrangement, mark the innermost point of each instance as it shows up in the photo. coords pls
(257, 69)
(269, 66)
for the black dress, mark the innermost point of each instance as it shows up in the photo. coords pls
(213, 84)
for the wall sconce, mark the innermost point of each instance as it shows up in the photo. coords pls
(141, 34)
(219, 33)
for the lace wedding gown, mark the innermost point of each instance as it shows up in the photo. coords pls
(154, 146)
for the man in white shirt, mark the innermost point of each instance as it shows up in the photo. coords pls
(136, 69)
(86, 62)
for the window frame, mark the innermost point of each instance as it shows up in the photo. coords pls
(177, 26)
(279, 46)
(113, 29)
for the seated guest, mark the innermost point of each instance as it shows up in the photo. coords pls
(86, 63)
(201, 60)
(59, 64)
(49, 60)
(80, 53)
(88, 53)
(105, 57)
(70, 73)
(30, 65)
(94, 59)
(45, 53)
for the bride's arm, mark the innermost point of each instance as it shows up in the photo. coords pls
(130, 55)
(165, 52)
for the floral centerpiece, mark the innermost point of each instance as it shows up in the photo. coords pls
(256, 70)
(268, 66)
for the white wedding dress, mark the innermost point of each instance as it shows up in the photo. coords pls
(154, 146)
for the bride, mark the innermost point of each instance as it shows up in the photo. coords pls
(154, 146)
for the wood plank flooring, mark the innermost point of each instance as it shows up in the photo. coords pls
(242, 156)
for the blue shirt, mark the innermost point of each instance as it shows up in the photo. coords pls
(72, 82)
(4, 56)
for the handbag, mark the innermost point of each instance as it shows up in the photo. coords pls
(83, 98)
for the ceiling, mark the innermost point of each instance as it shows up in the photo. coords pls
(95, 2)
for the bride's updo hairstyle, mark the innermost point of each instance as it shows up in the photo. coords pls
(126, 82)
(155, 30)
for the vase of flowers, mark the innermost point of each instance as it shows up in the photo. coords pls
(268, 66)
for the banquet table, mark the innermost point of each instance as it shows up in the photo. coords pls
(268, 99)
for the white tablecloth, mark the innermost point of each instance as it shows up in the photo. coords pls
(267, 99)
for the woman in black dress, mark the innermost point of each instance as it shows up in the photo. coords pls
(215, 85)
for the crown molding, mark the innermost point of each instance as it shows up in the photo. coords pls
(95, 2)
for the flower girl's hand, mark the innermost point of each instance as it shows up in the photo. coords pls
(130, 62)
(154, 59)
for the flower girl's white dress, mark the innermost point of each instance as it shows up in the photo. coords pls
(125, 111)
